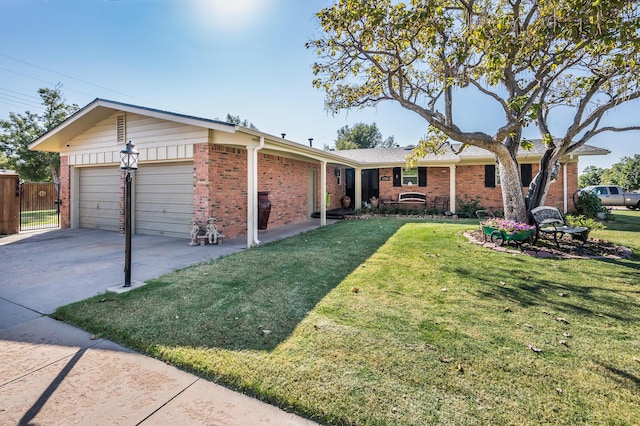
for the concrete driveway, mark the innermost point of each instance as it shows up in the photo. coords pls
(53, 373)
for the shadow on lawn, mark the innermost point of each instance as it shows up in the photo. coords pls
(252, 300)
(592, 296)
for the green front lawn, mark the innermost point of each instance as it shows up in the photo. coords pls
(391, 321)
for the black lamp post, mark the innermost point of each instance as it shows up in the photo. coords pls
(128, 162)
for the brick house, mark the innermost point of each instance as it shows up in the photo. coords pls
(192, 168)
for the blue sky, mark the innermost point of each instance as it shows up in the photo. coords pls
(207, 58)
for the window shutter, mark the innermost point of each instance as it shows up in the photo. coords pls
(422, 176)
(121, 129)
(490, 176)
(526, 174)
(397, 176)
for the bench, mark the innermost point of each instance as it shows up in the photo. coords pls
(549, 221)
(412, 199)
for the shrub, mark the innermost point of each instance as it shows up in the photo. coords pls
(589, 205)
(581, 220)
(468, 207)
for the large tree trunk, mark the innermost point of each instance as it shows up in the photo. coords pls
(512, 195)
(539, 187)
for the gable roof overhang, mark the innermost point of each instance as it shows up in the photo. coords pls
(56, 139)
(100, 109)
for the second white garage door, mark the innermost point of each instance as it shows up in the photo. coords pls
(164, 199)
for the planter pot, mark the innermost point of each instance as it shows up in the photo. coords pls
(375, 202)
(264, 209)
(346, 202)
(601, 216)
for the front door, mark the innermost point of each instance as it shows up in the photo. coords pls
(370, 185)
(350, 183)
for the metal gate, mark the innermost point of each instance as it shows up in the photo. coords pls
(39, 205)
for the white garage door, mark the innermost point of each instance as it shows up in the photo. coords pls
(99, 202)
(164, 199)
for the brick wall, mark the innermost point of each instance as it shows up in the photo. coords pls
(286, 180)
(65, 191)
(335, 190)
(437, 184)
(220, 187)
(470, 185)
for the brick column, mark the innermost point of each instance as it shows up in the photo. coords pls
(65, 191)
(202, 183)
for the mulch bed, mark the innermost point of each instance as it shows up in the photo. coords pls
(593, 248)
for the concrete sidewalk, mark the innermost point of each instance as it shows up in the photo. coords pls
(55, 374)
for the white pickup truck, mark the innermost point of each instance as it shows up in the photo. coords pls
(612, 195)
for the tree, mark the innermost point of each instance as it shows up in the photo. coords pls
(625, 173)
(4, 162)
(362, 135)
(235, 119)
(22, 129)
(591, 175)
(537, 61)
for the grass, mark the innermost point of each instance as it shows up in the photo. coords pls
(390, 321)
(38, 218)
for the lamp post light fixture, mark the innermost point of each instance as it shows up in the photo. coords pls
(128, 162)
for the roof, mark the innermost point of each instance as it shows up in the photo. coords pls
(394, 155)
(100, 109)
(397, 155)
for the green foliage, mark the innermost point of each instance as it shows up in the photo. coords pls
(4, 162)
(360, 136)
(625, 173)
(235, 119)
(589, 205)
(591, 175)
(467, 207)
(582, 220)
(20, 130)
(532, 59)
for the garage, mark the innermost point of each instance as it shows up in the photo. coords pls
(99, 198)
(163, 199)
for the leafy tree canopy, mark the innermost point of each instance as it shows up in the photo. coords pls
(591, 175)
(625, 173)
(362, 135)
(537, 61)
(235, 119)
(20, 130)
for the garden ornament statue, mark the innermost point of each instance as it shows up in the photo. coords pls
(213, 234)
(195, 230)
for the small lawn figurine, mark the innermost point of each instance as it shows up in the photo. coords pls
(213, 233)
(195, 230)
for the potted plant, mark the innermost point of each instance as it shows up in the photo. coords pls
(507, 230)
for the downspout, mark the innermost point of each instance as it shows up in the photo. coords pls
(323, 192)
(565, 188)
(254, 195)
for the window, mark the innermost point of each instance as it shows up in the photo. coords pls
(613, 190)
(492, 175)
(409, 177)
